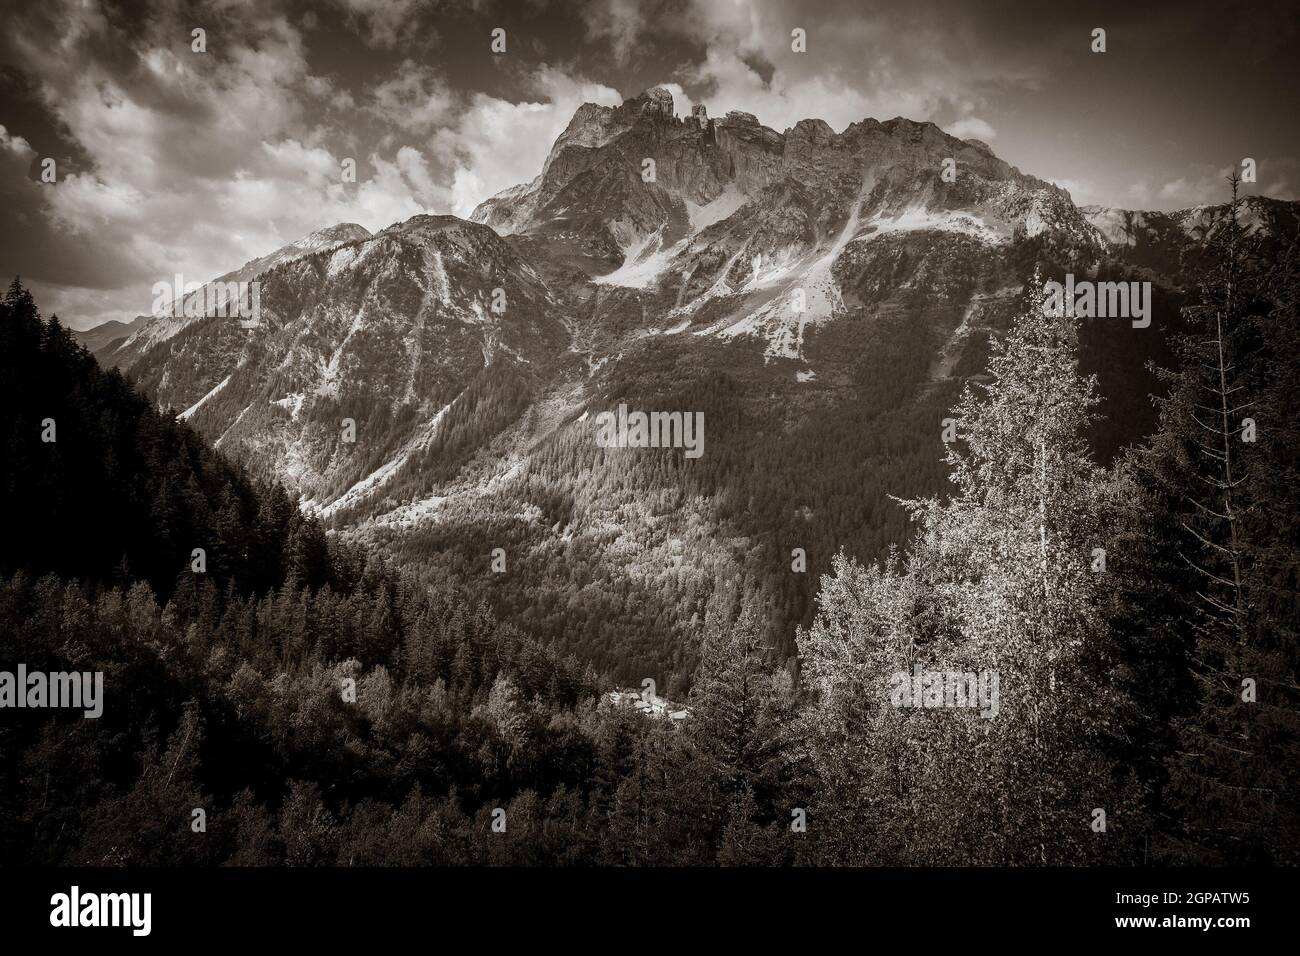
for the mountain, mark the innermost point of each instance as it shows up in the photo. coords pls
(218, 685)
(107, 336)
(148, 331)
(738, 216)
(820, 297)
(88, 458)
(1157, 240)
(387, 331)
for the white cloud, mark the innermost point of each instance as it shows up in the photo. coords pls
(77, 307)
(735, 85)
(972, 127)
(15, 144)
(415, 98)
(197, 163)
(496, 144)
(853, 71)
(200, 162)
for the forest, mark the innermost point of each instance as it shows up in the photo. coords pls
(613, 555)
(294, 699)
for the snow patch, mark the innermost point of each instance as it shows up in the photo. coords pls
(381, 475)
(917, 218)
(329, 370)
(681, 326)
(438, 274)
(644, 260)
(721, 207)
(291, 403)
(340, 261)
(185, 415)
(238, 418)
(815, 291)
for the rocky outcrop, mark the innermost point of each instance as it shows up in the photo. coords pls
(595, 190)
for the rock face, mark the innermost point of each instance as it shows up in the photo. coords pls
(734, 219)
(595, 176)
(441, 377)
(385, 330)
(148, 331)
(1157, 240)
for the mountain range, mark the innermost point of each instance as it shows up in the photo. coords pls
(822, 297)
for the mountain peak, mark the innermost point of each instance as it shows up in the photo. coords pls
(654, 100)
(817, 130)
(172, 320)
(427, 222)
(333, 235)
(783, 193)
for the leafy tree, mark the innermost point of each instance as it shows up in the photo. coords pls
(999, 580)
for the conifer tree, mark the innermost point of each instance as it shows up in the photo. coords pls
(739, 719)
(1220, 472)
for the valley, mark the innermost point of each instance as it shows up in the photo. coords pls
(820, 298)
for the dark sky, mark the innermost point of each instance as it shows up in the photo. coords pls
(174, 161)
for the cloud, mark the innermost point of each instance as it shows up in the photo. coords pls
(497, 143)
(1279, 177)
(682, 103)
(16, 145)
(1209, 186)
(387, 23)
(175, 161)
(1275, 176)
(619, 21)
(972, 127)
(198, 162)
(854, 66)
(415, 98)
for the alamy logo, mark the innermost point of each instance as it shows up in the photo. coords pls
(80, 691)
(624, 429)
(103, 909)
(923, 688)
(197, 300)
(1099, 300)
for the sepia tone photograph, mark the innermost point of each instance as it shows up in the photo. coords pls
(740, 438)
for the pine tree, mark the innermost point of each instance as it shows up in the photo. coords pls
(1221, 472)
(1201, 428)
(740, 721)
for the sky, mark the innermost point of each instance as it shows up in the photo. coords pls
(172, 160)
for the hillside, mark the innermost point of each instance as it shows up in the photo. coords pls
(821, 297)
